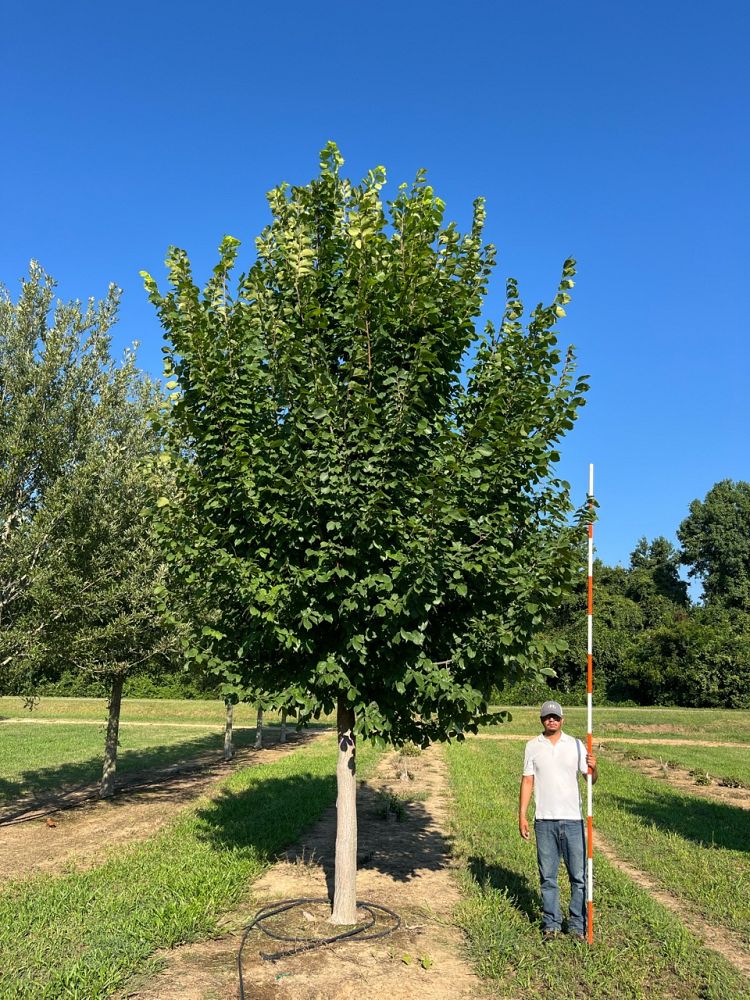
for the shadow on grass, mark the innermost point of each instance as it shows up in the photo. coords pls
(402, 850)
(165, 769)
(266, 816)
(710, 824)
(514, 885)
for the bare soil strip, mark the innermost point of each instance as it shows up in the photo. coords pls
(403, 864)
(725, 942)
(78, 829)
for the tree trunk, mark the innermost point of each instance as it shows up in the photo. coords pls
(228, 748)
(107, 784)
(345, 877)
(259, 730)
(282, 733)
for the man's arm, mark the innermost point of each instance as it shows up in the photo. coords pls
(524, 797)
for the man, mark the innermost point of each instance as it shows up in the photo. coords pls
(551, 766)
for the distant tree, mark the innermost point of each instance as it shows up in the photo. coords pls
(99, 584)
(380, 535)
(52, 359)
(715, 539)
(655, 573)
(78, 560)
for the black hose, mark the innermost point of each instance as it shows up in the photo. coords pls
(306, 943)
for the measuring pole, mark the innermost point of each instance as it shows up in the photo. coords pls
(589, 733)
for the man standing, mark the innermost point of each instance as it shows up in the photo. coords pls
(551, 766)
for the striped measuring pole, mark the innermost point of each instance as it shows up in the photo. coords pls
(590, 729)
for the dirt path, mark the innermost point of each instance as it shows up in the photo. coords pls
(403, 864)
(725, 942)
(76, 828)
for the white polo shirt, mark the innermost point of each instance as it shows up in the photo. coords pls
(555, 768)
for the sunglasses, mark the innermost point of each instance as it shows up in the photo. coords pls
(546, 718)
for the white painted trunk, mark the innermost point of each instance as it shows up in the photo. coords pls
(345, 876)
(107, 784)
(228, 748)
(259, 730)
(282, 734)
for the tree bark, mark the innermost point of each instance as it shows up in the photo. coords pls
(282, 733)
(228, 748)
(107, 784)
(345, 877)
(259, 730)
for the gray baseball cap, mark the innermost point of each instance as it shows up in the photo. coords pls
(551, 708)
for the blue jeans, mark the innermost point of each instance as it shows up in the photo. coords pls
(556, 839)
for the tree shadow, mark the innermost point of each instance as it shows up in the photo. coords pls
(280, 810)
(514, 885)
(710, 824)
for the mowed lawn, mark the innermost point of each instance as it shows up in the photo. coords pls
(694, 848)
(663, 725)
(60, 743)
(729, 764)
(81, 935)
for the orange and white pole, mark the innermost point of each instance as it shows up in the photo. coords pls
(589, 732)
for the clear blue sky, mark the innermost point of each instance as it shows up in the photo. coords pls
(614, 133)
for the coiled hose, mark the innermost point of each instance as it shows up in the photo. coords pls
(306, 943)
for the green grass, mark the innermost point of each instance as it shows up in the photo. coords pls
(695, 847)
(664, 724)
(83, 934)
(35, 759)
(210, 713)
(38, 757)
(719, 762)
(641, 950)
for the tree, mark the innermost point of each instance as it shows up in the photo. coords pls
(715, 539)
(79, 561)
(699, 660)
(655, 574)
(377, 533)
(50, 373)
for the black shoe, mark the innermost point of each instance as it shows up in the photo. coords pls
(549, 935)
(578, 937)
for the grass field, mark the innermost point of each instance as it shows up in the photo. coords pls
(696, 848)
(641, 949)
(34, 759)
(83, 934)
(164, 711)
(719, 762)
(664, 724)
(68, 752)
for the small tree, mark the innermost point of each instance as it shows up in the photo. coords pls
(78, 560)
(382, 535)
(52, 359)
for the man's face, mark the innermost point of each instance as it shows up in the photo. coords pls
(552, 724)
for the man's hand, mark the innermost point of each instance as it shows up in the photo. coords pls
(591, 761)
(523, 827)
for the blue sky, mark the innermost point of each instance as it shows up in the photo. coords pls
(616, 134)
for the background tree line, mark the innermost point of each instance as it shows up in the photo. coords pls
(652, 644)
